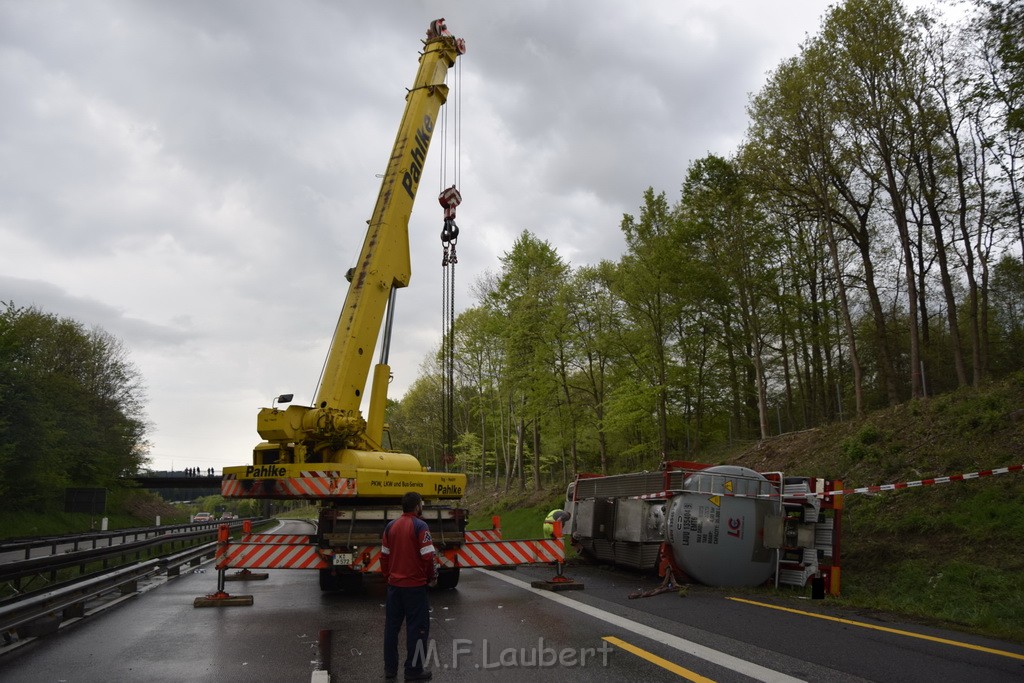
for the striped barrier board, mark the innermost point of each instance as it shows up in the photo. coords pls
(310, 484)
(849, 492)
(481, 554)
(510, 553)
(483, 535)
(276, 539)
(304, 555)
(269, 556)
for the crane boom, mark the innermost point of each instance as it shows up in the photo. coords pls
(384, 260)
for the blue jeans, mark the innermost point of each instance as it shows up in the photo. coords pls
(411, 606)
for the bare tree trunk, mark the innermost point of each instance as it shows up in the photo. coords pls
(520, 435)
(929, 185)
(844, 304)
(536, 454)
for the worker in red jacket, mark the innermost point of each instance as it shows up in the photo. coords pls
(407, 562)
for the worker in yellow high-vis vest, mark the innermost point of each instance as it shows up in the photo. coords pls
(556, 515)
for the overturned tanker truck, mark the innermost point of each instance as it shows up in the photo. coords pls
(719, 525)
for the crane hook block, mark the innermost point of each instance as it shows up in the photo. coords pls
(450, 231)
(450, 199)
(438, 29)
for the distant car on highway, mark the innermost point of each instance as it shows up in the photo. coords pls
(227, 516)
(202, 517)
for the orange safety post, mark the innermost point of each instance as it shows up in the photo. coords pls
(221, 598)
(559, 582)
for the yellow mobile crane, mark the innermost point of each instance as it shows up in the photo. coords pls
(327, 452)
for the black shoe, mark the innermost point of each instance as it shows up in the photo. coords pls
(390, 675)
(421, 676)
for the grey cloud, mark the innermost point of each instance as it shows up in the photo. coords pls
(90, 312)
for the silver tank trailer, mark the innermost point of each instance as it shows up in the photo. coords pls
(716, 535)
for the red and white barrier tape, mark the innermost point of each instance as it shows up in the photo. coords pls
(928, 482)
(848, 492)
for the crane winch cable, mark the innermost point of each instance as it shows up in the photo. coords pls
(449, 198)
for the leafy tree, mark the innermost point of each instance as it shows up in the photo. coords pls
(593, 314)
(877, 192)
(725, 228)
(71, 408)
(998, 33)
(479, 368)
(525, 301)
(1008, 303)
(793, 158)
(646, 284)
(415, 423)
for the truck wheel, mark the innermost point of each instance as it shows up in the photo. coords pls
(350, 582)
(329, 581)
(447, 579)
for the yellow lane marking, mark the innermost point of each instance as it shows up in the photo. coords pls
(655, 659)
(909, 634)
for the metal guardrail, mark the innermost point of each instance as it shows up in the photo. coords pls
(95, 538)
(172, 564)
(42, 612)
(13, 571)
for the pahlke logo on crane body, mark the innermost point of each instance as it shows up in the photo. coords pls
(263, 471)
(447, 489)
(411, 179)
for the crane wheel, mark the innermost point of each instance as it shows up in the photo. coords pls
(349, 582)
(447, 579)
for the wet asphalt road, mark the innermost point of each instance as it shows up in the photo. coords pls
(495, 627)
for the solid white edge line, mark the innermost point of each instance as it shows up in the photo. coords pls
(736, 664)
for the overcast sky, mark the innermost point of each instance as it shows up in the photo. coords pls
(194, 177)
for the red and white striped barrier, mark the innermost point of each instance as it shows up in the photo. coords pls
(930, 482)
(479, 554)
(309, 484)
(275, 539)
(849, 492)
(483, 535)
(270, 556)
(510, 553)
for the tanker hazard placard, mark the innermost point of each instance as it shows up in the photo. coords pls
(699, 524)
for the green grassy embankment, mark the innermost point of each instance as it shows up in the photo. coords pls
(948, 554)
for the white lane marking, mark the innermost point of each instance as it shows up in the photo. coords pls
(742, 666)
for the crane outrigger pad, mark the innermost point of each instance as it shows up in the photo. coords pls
(223, 600)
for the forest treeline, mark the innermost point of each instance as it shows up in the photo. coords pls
(862, 248)
(72, 409)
